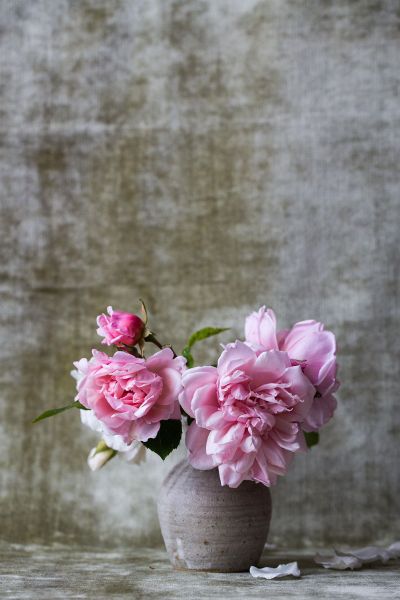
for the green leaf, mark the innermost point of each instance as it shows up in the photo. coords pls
(189, 357)
(167, 439)
(56, 411)
(203, 334)
(312, 438)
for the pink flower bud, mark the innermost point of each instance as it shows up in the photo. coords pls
(120, 328)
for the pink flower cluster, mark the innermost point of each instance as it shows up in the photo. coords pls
(250, 411)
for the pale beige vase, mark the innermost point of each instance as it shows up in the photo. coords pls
(210, 527)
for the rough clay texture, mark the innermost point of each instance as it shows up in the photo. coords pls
(208, 156)
(210, 527)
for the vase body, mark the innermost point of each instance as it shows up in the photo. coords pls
(210, 527)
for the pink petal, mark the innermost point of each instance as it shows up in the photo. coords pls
(142, 431)
(228, 476)
(196, 440)
(204, 414)
(270, 366)
(250, 443)
(172, 386)
(192, 380)
(301, 386)
(205, 396)
(235, 355)
(243, 462)
(216, 420)
(161, 359)
(320, 413)
(260, 473)
(275, 455)
(232, 433)
(260, 329)
(176, 412)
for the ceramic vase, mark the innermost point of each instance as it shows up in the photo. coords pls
(210, 527)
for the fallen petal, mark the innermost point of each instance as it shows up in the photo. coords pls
(394, 550)
(368, 554)
(333, 561)
(290, 569)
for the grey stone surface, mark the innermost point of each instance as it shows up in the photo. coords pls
(34, 572)
(208, 156)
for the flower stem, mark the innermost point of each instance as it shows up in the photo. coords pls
(152, 338)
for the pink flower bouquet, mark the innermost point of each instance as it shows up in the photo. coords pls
(263, 401)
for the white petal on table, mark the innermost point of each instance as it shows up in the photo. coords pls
(355, 559)
(288, 570)
(368, 554)
(334, 561)
(394, 550)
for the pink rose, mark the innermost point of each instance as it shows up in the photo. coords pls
(307, 344)
(130, 395)
(120, 328)
(247, 412)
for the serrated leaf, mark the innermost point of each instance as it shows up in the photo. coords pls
(167, 439)
(55, 411)
(312, 438)
(203, 334)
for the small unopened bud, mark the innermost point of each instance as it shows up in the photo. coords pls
(120, 328)
(100, 455)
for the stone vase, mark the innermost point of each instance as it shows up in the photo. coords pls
(210, 527)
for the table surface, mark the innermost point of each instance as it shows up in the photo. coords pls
(51, 572)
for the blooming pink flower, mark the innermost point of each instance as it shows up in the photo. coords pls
(130, 395)
(247, 412)
(307, 344)
(120, 328)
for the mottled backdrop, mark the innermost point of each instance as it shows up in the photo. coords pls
(209, 156)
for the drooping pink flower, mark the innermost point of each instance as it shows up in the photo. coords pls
(120, 328)
(130, 395)
(246, 413)
(307, 344)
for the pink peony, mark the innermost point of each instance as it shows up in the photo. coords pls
(130, 395)
(120, 328)
(247, 412)
(308, 344)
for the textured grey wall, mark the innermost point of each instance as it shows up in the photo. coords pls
(209, 156)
